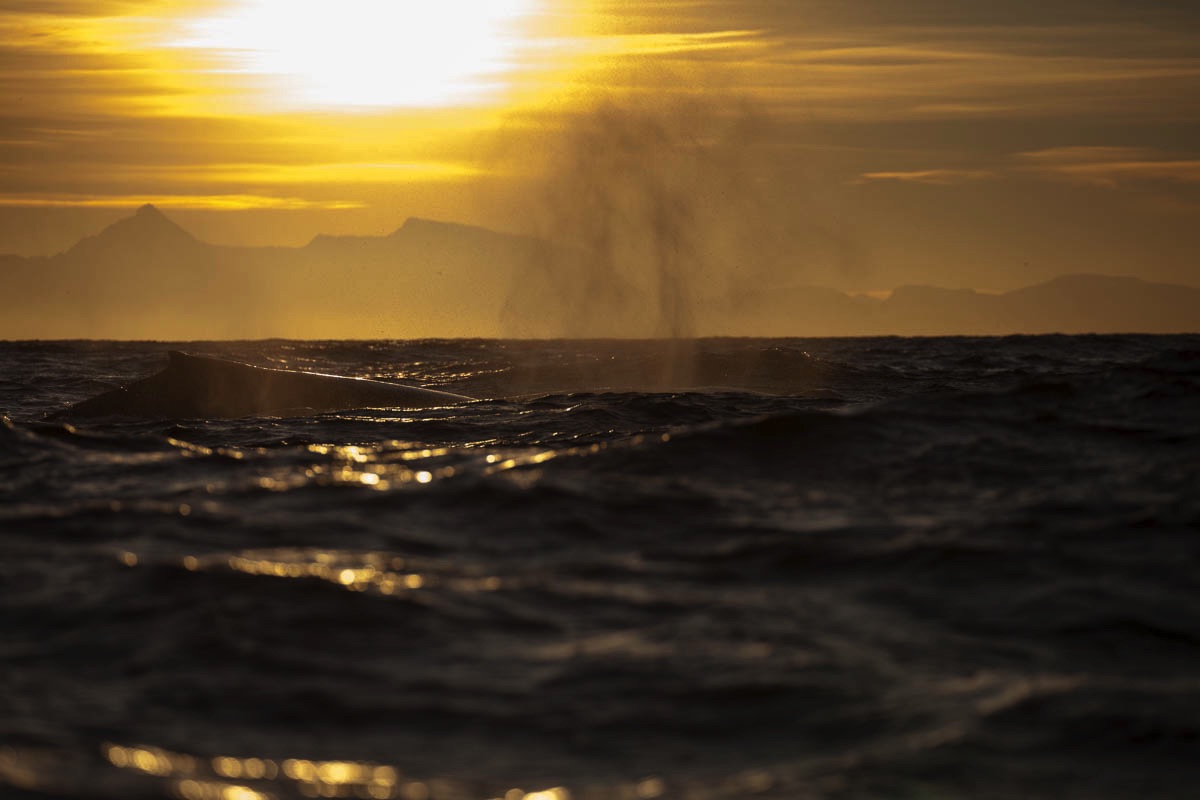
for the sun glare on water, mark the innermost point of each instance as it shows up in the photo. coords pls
(309, 54)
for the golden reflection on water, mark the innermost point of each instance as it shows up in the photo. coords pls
(151, 760)
(393, 450)
(21, 768)
(382, 573)
(189, 789)
(386, 465)
(194, 450)
(381, 466)
(193, 778)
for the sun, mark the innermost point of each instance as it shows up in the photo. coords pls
(313, 54)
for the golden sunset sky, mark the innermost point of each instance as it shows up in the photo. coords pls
(956, 142)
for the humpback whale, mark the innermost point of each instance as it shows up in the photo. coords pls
(203, 387)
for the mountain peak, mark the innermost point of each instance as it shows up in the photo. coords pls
(149, 217)
(148, 228)
(430, 231)
(423, 225)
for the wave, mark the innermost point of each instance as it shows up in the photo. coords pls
(871, 567)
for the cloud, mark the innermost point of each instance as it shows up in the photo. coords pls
(1108, 166)
(1094, 165)
(937, 177)
(925, 92)
(77, 8)
(798, 14)
(224, 202)
(1083, 154)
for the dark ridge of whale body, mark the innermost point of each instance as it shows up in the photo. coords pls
(198, 386)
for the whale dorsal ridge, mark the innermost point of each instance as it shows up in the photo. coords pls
(178, 358)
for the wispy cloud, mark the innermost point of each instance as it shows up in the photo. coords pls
(1094, 165)
(1108, 166)
(936, 177)
(215, 202)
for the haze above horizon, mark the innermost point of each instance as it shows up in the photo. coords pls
(860, 146)
(146, 277)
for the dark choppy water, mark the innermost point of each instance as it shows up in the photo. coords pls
(876, 568)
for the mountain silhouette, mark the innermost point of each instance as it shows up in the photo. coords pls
(1067, 304)
(146, 277)
(147, 230)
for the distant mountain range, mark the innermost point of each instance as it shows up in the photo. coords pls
(1067, 304)
(145, 277)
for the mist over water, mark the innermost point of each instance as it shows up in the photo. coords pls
(646, 212)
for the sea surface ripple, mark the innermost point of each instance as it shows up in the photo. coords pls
(851, 568)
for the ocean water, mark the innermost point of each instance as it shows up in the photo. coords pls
(856, 568)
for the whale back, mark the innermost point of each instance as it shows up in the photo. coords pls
(198, 386)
